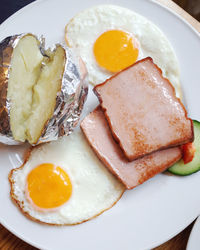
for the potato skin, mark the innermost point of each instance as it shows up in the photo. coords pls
(6, 49)
(69, 102)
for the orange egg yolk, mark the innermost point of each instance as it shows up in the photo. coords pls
(48, 186)
(115, 50)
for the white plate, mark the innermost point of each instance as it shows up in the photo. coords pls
(153, 212)
(194, 239)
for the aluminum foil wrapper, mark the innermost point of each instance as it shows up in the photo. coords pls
(69, 101)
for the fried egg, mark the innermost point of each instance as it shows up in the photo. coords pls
(110, 38)
(63, 183)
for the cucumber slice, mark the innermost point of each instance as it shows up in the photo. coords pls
(180, 168)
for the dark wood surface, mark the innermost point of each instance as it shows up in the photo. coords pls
(10, 242)
(191, 6)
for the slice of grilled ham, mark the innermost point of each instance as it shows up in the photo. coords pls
(143, 111)
(131, 174)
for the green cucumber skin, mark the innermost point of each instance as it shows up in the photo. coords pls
(192, 167)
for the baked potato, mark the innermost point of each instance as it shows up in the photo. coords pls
(39, 90)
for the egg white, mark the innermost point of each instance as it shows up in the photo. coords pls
(94, 189)
(83, 30)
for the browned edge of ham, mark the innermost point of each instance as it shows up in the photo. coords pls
(131, 174)
(186, 133)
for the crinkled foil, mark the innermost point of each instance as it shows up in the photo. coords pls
(69, 101)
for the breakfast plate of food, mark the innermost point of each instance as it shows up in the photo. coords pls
(99, 124)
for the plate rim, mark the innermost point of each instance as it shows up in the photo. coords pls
(173, 12)
(193, 231)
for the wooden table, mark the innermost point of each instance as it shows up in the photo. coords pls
(9, 241)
